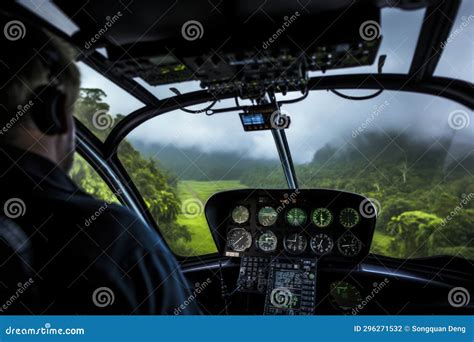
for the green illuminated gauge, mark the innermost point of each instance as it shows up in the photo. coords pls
(240, 214)
(295, 243)
(321, 244)
(296, 217)
(267, 241)
(349, 245)
(239, 239)
(267, 216)
(322, 217)
(344, 295)
(349, 217)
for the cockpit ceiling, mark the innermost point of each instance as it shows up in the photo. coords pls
(159, 19)
(233, 46)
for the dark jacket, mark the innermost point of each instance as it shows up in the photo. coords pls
(88, 256)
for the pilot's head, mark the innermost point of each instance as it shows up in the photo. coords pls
(39, 84)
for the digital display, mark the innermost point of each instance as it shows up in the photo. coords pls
(253, 119)
(264, 117)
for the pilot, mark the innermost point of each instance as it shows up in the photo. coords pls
(112, 264)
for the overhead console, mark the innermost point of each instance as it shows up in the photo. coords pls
(281, 235)
(244, 47)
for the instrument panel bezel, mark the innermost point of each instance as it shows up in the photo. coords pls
(219, 208)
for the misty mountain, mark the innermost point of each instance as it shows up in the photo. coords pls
(389, 154)
(374, 149)
(193, 164)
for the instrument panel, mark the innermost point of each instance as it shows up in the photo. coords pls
(291, 223)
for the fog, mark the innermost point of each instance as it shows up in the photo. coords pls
(323, 117)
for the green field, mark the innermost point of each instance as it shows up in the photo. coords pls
(202, 242)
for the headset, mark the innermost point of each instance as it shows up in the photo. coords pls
(48, 100)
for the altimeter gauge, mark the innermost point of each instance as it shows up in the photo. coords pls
(267, 241)
(322, 217)
(349, 245)
(295, 243)
(349, 218)
(240, 214)
(239, 239)
(321, 244)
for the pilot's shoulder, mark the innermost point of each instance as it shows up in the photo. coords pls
(114, 215)
(104, 218)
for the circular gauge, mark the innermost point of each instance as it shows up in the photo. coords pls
(322, 217)
(295, 243)
(240, 214)
(239, 240)
(296, 217)
(349, 245)
(267, 241)
(321, 244)
(349, 217)
(344, 295)
(267, 216)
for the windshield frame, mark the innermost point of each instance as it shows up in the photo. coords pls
(420, 79)
(457, 92)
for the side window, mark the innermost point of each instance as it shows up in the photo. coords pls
(101, 103)
(89, 180)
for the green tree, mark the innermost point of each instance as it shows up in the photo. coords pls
(89, 180)
(157, 187)
(412, 231)
(455, 235)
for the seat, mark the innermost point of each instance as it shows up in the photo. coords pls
(17, 290)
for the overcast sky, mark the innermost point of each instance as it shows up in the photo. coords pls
(322, 118)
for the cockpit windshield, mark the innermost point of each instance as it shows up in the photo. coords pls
(410, 153)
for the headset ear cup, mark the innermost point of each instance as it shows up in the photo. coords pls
(47, 108)
(57, 109)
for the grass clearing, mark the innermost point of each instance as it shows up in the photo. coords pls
(202, 242)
